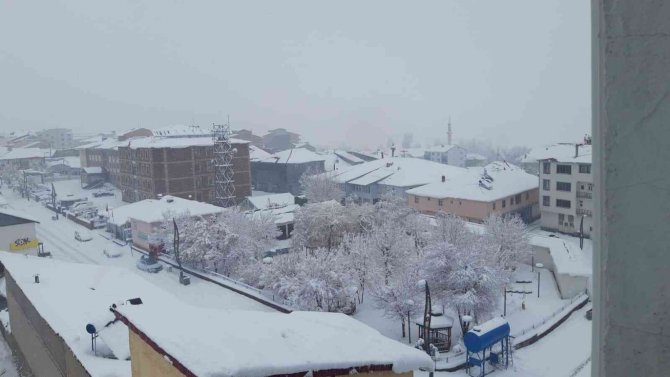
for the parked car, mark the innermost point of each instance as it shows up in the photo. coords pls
(101, 193)
(112, 253)
(82, 235)
(149, 264)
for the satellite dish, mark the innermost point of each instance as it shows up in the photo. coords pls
(91, 329)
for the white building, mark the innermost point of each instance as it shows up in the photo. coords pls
(17, 231)
(447, 154)
(57, 138)
(566, 187)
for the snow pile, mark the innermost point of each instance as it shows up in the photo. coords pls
(254, 344)
(71, 295)
(294, 156)
(153, 210)
(495, 181)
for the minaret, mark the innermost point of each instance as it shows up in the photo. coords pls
(449, 132)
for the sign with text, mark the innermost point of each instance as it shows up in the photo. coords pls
(22, 244)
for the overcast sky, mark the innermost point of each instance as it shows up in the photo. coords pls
(357, 72)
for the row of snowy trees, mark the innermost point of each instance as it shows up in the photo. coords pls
(344, 252)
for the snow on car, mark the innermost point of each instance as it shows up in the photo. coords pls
(149, 264)
(112, 253)
(82, 235)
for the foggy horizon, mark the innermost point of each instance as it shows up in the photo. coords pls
(349, 73)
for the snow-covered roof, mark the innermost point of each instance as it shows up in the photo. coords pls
(441, 148)
(562, 152)
(15, 213)
(215, 342)
(348, 157)
(152, 210)
(176, 142)
(489, 325)
(92, 170)
(437, 322)
(90, 291)
(181, 130)
(24, 153)
(475, 156)
(294, 156)
(257, 154)
(73, 162)
(412, 152)
(568, 258)
(398, 172)
(333, 162)
(506, 180)
(272, 200)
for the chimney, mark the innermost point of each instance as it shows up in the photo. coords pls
(444, 178)
(382, 155)
(576, 150)
(393, 150)
(37, 279)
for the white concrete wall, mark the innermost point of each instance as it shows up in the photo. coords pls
(631, 111)
(9, 234)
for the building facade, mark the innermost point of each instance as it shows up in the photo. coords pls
(281, 172)
(181, 167)
(280, 139)
(566, 187)
(57, 138)
(567, 196)
(447, 154)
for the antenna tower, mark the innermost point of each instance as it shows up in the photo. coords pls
(224, 187)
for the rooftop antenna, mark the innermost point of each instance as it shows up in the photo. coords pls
(449, 132)
(224, 188)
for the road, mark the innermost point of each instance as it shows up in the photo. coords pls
(58, 238)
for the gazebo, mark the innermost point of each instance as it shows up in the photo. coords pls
(440, 328)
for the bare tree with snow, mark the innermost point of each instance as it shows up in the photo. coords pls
(507, 240)
(320, 187)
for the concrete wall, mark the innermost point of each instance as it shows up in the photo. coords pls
(44, 350)
(8, 234)
(569, 286)
(631, 109)
(279, 178)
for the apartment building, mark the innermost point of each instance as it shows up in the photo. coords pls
(566, 187)
(447, 154)
(178, 166)
(57, 138)
(281, 172)
(498, 188)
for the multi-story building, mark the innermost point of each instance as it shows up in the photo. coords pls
(498, 188)
(447, 154)
(281, 172)
(178, 166)
(57, 138)
(280, 139)
(566, 187)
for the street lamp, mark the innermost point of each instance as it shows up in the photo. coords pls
(539, 266)
(410, 304)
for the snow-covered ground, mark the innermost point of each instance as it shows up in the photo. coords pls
(536, 309)
(73, 186)
(556, 355)
(58, 238)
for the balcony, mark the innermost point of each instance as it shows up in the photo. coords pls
(584, 195)
(582, 211)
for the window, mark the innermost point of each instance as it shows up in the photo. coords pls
(590, 186)
(563, 169)
(546, 201)
(503, 203)
(562, 203)
(563, 186)
(571, 220)
(581, 203)
(561, 218)
(416, 199)
(585, 169)
(582, 187)
(546, 167)
(517, 198)
(440, 202)
(546, 185)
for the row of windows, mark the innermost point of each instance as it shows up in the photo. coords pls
(565, 169)
(560, 186)
(518, 198)
(560, 203)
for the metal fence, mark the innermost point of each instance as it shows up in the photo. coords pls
(551, 316)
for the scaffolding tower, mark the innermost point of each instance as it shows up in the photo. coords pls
(224, 187)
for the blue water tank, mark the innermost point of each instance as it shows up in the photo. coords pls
(486, 334)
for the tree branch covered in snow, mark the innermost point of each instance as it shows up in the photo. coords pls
(320, 187)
